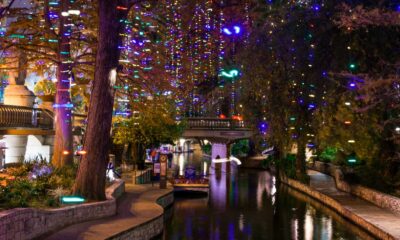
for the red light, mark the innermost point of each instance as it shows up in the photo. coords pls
(122, 8)
(222, 116)
(238, 118)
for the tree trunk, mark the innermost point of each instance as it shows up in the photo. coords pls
(22, 68)
(301, 157)
(63, 149)
(118, 151)
(90, 181)
(140, 156)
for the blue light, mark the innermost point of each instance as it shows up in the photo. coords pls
(310, 145)
(72, 199)
(227, 31)
(352, 85)
(237, 29)
(67, 105)
(316, 7)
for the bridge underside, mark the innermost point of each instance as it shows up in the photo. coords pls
(26, 131)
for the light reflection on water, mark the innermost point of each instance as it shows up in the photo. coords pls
(247, 205)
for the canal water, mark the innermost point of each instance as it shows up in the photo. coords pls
(247, 204)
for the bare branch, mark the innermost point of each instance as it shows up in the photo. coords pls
(4, 10)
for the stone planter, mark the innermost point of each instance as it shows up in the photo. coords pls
(47, 102)
(46, 98)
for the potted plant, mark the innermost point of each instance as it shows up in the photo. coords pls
(45, 90)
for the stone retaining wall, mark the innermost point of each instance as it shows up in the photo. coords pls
(151, 228)
(378, 198)
(347, 213)
(30, 223)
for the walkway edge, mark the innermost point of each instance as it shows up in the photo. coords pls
(152, 227)
(332, 203)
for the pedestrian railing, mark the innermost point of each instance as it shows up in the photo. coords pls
(143, 176)
(25, 117)
(215, 123)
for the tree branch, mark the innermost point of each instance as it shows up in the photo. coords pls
(4, 10)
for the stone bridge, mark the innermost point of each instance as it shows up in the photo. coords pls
(217, 130)
(220, 132)
(28, 132)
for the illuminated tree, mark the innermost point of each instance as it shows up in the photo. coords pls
(52, 36)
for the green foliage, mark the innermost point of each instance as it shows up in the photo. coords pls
(207, 148)
(240, 148)
(287, 165)
(63, 177)
(17, 193)
(36, 185)
(45, 88)
(329, 154)
(154, 126)
(369, 176)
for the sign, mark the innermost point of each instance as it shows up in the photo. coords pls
(156, 168)
(163, 171)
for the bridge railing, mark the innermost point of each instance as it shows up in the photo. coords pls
(215, 123)
(25, 117)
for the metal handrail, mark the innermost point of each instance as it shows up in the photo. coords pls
(215, 123)
(25, 117)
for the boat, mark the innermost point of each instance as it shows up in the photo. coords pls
(191, 185)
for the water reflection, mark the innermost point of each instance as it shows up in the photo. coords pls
(194, 159)
(247, 205)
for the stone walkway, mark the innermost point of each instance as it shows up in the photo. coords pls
(382, 218)
(137, 206)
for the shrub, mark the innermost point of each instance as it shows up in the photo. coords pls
(45, 88)
(36, 184)
(329, 154)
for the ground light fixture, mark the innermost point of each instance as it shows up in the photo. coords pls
(352, 160)
(72, 200)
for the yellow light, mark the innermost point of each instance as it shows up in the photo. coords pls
(82, 152)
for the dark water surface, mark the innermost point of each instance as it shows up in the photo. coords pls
(246, 204)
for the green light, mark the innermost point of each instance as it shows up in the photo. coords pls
(72, 199)
(231, 74)
(352, 160)
(352, 66)
(17, 36)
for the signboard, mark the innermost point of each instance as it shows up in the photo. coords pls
(156, 168)
(163, 171)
